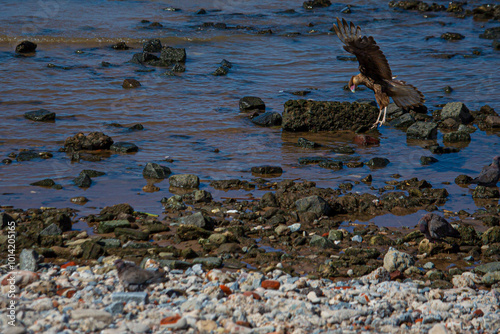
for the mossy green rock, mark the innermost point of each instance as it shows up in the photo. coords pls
(492, 235)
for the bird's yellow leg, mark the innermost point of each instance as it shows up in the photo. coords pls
(378, 120)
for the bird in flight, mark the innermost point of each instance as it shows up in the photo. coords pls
(375, 72)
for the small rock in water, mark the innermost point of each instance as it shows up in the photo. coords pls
(130, 83)
(378, 162)
(424, 161)
(44, 183)
(452, 36)
(251, 103)
(220, 71)
(201, 11)
(124, 147)
(155, 171)
(310, 4)
(83, 181)
(422, 130)
(302, 142)
(26, 47)
(448, 89)
(120, 46)
(40, 115)
(266, 170)
(153, 45)
(184, 181)
(270, 118)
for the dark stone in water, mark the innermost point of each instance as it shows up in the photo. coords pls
(463, 179)
(302, 142)
(62, 220)
(305, 115)
(266, 170)
(201, 11)
(491, 33)
(155, 171)
(422, 130)
(120, 46)
(93, 141)
(26, 47)
(311, 160)
(226, 63)
(155, 25)
(403, 121)
(456, 137)
(220, 71)
(6, 161)
(136, 127)
(343, 150)
(367, 179)
(170, 55)
(424, 160)
(336, 165)
(485, 192)
(153, 45)
(43, 183)
(377, 162)
(452, 36)
(131, 83)
(92, 173)
(270, 118)
(82, 181)
(251, 103)
(40, 115)
(124, 147)
(496, 45)
(178, 68)
(27, 155)
(301, 92)
(316, 4)
(448, 89)
(189, 181)
(436, 149)
(144, 57)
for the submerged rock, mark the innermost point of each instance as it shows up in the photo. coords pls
(485, 192)
(302, 142)
(378, 162)
(424, 160)
(124, 147)
(452, 36)
(130, 83)
(305, 115)
(40, 115)
(266, 170)
(456, 137)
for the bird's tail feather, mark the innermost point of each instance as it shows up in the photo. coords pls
(404, 95)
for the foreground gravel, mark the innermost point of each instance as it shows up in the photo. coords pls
(91, 300)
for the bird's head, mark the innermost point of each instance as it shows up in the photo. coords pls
(354, 82)
(119, 264)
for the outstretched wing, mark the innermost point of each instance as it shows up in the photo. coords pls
(404, 95)
(372, 62)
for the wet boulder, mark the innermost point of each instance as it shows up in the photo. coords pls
(305, 115)
(251, 103)
(153, 45)
(270, 118)
(458, 111)
(93, 141)
(120, 46)
(378, 162)
(26, 47)
(485, 192)
(40, 115)
(457, 137)
(124, 147)
(310, 4)
(92, 250)
(170, 55)
(198, 220)
(184, 181)
(155, 171)
(191, 232)
(302, 142)
(422, 130)
(144, 58)
(314, 204)
(43, 183)
(491, 33)
(321, 242)
(452, 36)
(403, 121)
(267, 170)
(82, 181)
(424, 160)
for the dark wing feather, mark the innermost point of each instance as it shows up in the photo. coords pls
(372, 62)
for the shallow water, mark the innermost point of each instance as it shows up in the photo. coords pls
(189, 116)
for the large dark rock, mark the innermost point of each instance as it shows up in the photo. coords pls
(130, 83)
(266, 170)
(155, 171)
(452, 36)
(27, 155)
(378, 162)
(26, 47)
(457, 111)
(40, 115)
(92, 250)
(170, 55)
(492, 235)
(302, 142)
(251, 103)
(314, 204)
(305, 115)
(62, 220)
(491, 33)
(43, 183)
(120, 46)
(403, 121)
(198, 220)
(144, 58)
(94, 141)
(456, 137)
(422, 130)
(485, 192)
(270, 118)
(424, 160)
(153, 45)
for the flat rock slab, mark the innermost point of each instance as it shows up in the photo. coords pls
(305, 115)
(40, 115)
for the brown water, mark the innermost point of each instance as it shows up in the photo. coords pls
(189, 116)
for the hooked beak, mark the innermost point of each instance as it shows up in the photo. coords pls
(353, 88)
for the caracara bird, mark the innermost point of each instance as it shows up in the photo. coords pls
(135, 278)
(375, 71)
(490, 175)
(436, 227)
